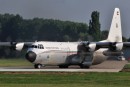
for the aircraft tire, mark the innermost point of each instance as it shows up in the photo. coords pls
(37, 66)
(63, 66)
(84, 67)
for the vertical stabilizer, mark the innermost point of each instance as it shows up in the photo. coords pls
(115, 33)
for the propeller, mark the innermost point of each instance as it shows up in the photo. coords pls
(16, 46)
(87, 46)
(115, 46)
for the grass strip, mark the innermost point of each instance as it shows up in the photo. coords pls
(49, 79)
(14, 62)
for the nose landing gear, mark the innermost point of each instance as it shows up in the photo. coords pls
(37, 66)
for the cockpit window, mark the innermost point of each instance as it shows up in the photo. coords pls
(40, 46)
(34, 46)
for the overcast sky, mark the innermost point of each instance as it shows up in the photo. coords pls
(72, 10)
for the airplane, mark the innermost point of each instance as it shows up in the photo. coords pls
(83, 54)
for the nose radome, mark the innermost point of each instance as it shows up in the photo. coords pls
(30, 56)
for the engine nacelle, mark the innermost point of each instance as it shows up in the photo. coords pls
(119, 46)
(116, 46)
(19, 46)
(87, 47)
(92, 47)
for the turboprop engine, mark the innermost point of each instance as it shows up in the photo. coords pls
(86, 47)
(85, 52)
(17, 46)
(115, 49)
(115, 46)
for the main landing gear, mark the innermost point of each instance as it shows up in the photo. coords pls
(37, 66)
(84, 66)
(63, 66)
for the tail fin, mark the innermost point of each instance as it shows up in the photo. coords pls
(115, 33)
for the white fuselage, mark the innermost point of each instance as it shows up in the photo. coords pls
(61, 53)
(53, 53)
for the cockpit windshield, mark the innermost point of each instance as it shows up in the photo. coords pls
(39, 46)
(33, 46)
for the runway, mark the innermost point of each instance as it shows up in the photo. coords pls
(60, 70)
(107, 66)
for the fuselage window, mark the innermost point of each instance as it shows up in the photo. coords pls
(40, 46)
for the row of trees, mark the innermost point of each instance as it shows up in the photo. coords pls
(15, 28)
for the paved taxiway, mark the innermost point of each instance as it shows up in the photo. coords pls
(60, 70)
(107, 66)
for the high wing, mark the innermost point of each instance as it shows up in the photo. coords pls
(126, 44)
(112, 46)
(16, 45)
(90, 46)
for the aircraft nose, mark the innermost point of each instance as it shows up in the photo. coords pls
(30, 56)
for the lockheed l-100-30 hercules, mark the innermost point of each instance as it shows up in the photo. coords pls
(84, 53)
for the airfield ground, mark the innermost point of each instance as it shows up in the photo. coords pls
(64, 79)
(60, 79)
(24, 64)
(14, 62)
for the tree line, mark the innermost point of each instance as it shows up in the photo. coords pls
(15, 28)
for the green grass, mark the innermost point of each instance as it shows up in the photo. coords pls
(14, 62)
(127, 66)
(40, 79)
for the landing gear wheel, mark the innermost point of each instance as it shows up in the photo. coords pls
(63, 66)
(37, 66)
(84, 66)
